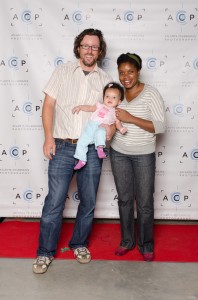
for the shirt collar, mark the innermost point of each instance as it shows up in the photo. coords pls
(78, 65)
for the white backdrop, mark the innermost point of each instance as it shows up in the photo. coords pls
(37, 35)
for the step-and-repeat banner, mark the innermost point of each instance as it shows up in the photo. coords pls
(38, 35)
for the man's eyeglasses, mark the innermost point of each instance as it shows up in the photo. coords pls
(93, 48)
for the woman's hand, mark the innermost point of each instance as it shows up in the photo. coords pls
(123, 115)
(110, 130)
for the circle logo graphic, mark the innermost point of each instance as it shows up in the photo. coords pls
(13, 63)
(178, 110)
(75, 197)
(27, 108)
(105, 63)
(181, 17)
(176, 198)
(128, 16)
(26, 16)
(195, 63)
(151, 63)
(77, 17)
(194, 154)
(14, 152)
(58, 61)
(27, 195)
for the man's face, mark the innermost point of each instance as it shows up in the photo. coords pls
(89, 56)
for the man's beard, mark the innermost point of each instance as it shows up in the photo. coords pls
(87, 64)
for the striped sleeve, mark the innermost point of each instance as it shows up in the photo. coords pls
(157, 110)
(53, 85)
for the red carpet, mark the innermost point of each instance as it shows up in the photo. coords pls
(173, 243)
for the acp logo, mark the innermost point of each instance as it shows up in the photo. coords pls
(178, 199)
(182, 17)
(154, 63)
(15, 152)
(28, 108)
(26, 16)
(190, 64)
(77, 16)
(75, 197)
(181, 110)
(28, 195)
(128, 16)
(192, 154)
(14, 63)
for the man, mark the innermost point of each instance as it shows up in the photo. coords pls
(71, 84)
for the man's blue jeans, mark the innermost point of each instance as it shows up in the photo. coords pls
(60, 173)
(134, 177)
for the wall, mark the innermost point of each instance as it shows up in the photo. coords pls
(38, 35)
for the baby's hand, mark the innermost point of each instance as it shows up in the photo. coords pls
(123, 130)
(76, 109)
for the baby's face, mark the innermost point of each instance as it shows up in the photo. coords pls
(112, 97)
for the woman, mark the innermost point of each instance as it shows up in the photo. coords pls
(133, 156)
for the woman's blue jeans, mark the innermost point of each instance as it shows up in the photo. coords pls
(60, 173)
(134, 177)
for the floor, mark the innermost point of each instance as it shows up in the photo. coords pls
(107, 280)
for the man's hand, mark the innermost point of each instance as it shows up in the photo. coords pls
(49, 148)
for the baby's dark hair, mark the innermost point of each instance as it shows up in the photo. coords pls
(114, 85)
(132, 58)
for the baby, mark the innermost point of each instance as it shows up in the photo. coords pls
(103, 113)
